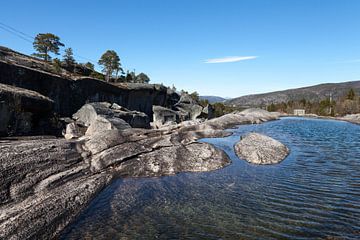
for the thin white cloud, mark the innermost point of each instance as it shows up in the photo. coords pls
(230, 59)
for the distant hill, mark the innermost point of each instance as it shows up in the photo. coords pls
(312, 93)
(213, 99)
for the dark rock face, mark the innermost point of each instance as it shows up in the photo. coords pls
(70, 95)
(25, 112)
(260, 149)
(67, 96)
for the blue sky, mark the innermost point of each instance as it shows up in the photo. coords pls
(273, 44)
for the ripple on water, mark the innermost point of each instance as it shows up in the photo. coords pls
(314, 193)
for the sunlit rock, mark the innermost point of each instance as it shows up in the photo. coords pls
(260, 149)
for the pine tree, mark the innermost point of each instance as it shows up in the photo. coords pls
(89, 65)
(351, 94)
(111, 63)
(142, 78)
(46, 43)
(68, 57)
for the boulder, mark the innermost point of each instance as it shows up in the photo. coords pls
(189, 109)
(91, 112)
(208, 112)
(74, 130)
(134, 118)
(88, 113)
(260, 149)
(103, 123)
(164, 116)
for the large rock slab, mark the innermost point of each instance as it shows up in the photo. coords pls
(260, 149)
(45, 183)
(195, 157)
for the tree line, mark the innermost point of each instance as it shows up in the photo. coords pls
(349, 103)
(112, 71)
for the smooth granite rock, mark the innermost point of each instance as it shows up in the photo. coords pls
(74, 130)
(260, 149)
(46, 182)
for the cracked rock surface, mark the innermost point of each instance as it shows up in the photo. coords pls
(45, 182)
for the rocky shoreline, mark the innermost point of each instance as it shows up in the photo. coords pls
(352, 118)
(46, 182)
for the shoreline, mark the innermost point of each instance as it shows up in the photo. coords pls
(324, 118)
(50, 181)
(93, 163)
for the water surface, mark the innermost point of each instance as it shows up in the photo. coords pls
(313, 193)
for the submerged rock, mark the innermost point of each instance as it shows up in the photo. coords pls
(260, 149)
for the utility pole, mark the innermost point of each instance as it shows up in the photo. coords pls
(330, 98)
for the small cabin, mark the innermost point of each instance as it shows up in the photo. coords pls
(299, 112)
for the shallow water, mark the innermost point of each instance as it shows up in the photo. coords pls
(313, 193)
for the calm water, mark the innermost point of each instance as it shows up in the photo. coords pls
(314, 193)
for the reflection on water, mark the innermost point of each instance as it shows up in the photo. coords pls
(314, 193)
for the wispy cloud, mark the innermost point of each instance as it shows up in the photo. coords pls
(230, 59)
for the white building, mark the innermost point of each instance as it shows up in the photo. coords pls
(299, 111)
